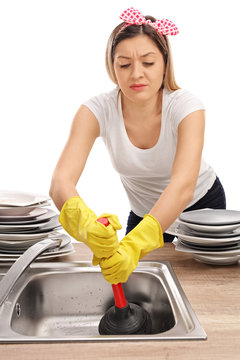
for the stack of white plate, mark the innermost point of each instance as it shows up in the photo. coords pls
(210, 236)
(26, 219)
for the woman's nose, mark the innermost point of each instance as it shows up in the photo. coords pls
(137, 70)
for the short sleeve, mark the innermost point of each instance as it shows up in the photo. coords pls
(97, 105)
(184, 103)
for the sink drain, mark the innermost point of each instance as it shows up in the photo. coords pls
(18, 309)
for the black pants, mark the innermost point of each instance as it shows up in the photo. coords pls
(214, 199)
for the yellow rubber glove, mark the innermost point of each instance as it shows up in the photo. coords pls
(103, 239)
(145, 237)
(81, 223)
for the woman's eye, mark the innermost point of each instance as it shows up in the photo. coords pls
(145, 63)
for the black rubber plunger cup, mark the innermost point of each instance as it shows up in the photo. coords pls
(124, 318)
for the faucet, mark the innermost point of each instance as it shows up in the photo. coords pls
(20, 265)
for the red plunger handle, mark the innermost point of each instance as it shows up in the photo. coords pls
(119, 297)
(120, 300)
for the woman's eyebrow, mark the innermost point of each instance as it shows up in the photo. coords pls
(149, 53)
(126, 57)
(123, 57)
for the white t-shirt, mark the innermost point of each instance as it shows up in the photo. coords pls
(145, 173)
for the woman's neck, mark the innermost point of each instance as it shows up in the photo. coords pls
(142, 111)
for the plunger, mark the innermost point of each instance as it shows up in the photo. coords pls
(124, 318)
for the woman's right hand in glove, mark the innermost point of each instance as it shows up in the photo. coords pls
(145, 237)
(81, 223)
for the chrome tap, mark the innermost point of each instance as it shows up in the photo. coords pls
(21, 264)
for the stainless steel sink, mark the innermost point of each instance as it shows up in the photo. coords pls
(65, 302)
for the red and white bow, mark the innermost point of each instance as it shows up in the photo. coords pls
(133, 16)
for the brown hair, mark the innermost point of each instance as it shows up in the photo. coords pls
(132, 31)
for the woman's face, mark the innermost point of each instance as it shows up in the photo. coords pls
(139, 68)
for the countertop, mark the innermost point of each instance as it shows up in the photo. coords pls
(214, 294)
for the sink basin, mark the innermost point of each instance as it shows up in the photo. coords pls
(65, 302)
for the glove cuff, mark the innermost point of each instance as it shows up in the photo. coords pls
(158, 227)
(74, 214)
(72, 203)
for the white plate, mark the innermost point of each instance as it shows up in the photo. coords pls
(65, 246)
(19, 242)
(23, 244)
(210, 228)
(215, 260)
(31, 214)
(204, 240)
(69, 252)
(4, 261)
(18, 198)
(17, 245)
(57, 252)
(22, 237)
(214, 217)
(183, 229)
(179, 246)
(42, 218)
(50, 225)
(22, 210)
(220, 248)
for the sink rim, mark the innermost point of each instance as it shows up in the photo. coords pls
(183, 312)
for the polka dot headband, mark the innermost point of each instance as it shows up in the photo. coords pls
(133, 16)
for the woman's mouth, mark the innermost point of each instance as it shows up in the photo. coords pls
(138, 87)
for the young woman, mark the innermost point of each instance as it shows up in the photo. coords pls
(154, 132)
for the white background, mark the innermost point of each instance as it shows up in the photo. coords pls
(52, 59)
